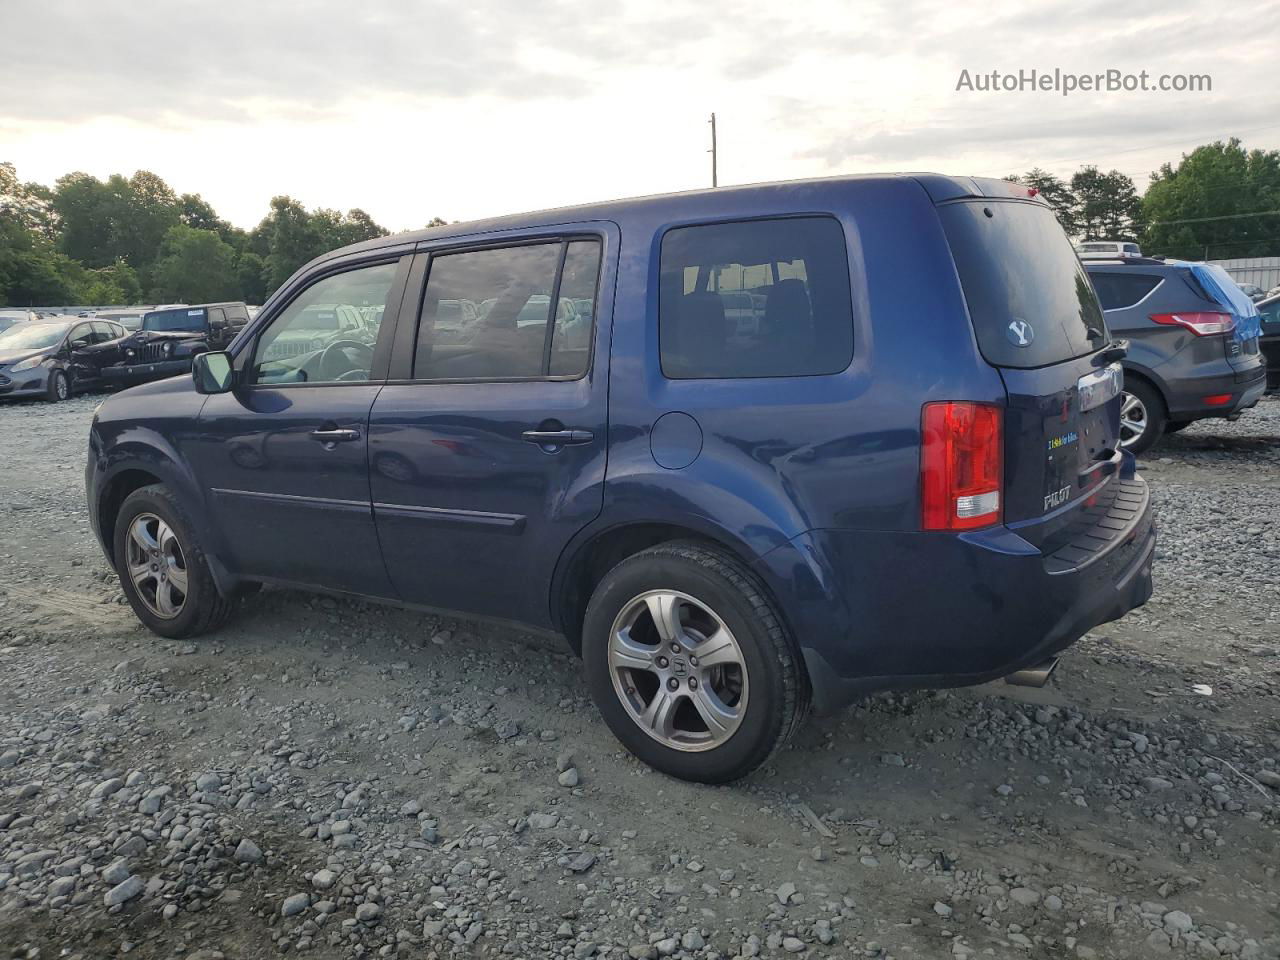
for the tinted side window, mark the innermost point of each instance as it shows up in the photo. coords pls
(575, 317)
(1119, 290)
(489, 314)
(758, 298)
(305, 343)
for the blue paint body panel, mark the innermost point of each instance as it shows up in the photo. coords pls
(813, 481)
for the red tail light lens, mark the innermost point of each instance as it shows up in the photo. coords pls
(961, 462)
(1201, 324)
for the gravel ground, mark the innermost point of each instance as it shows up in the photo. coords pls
(349, 780)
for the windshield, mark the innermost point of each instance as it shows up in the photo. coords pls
(167, 320)
(1029, 298)
(32, 336)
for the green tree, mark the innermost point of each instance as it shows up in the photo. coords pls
(441, 222)
(39, 276)
(195, 266)
(195, 211)
(116, 284)
(1215, 203)
(294, 236)
(251, 274)
(32, 272)
(26, 206)
(1107, 205)
(119, 218)
(1054, 192)
(292, 239)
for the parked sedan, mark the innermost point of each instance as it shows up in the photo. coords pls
(1269, 342)
(9, 317)
(54, 357)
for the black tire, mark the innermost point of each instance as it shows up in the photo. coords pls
(58, 387)
(1156, 416)
(779, 690)
(203, 608)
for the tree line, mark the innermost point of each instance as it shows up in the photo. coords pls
(1220, 202)
(134, 240)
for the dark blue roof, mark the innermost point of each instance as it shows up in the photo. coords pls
(938, 186)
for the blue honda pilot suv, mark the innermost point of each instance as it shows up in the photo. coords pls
(751, 450)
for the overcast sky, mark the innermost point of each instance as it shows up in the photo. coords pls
(422, 108)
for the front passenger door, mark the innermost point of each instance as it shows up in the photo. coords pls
(284, 456)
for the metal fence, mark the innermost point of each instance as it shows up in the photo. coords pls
(72, 310)
(1262, 271)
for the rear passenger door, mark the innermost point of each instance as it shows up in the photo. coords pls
(487, 450)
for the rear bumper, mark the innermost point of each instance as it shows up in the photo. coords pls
(891, 610)
(1186, 396)
(127, 374)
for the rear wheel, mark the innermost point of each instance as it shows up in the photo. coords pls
(690, 665)
(1142, 417)
(59, 387)
(162, 567)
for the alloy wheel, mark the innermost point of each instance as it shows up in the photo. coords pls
(678, 670)
(60, 386)
(157, 565)
(1133, 420)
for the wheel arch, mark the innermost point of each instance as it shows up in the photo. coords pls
(148, 458)
(1145, 375)
(585, 563)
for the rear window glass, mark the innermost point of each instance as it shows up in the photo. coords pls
(1029, 298)
(1119, 290)
(758, 298)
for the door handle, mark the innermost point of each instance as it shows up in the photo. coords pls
(557, 438)
(335, 436)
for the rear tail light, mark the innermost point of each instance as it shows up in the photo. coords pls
(1202, 324)
(1216, 400)
(960, 466)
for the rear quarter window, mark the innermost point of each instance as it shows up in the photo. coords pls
(1116, 291)
(1030, 300)
(755, 298)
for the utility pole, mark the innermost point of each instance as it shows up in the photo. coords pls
(712, 151)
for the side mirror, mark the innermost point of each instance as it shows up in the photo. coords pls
(79, 344)
(213, 372)
(217, 324)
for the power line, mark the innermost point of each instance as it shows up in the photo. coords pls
(1228, 216)
(1173, 143)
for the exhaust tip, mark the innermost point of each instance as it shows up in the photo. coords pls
(1036, 676)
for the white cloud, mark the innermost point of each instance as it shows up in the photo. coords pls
(413, 110)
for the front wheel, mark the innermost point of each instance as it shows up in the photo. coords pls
(162, 567)
(690, 665)
(59, 387)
